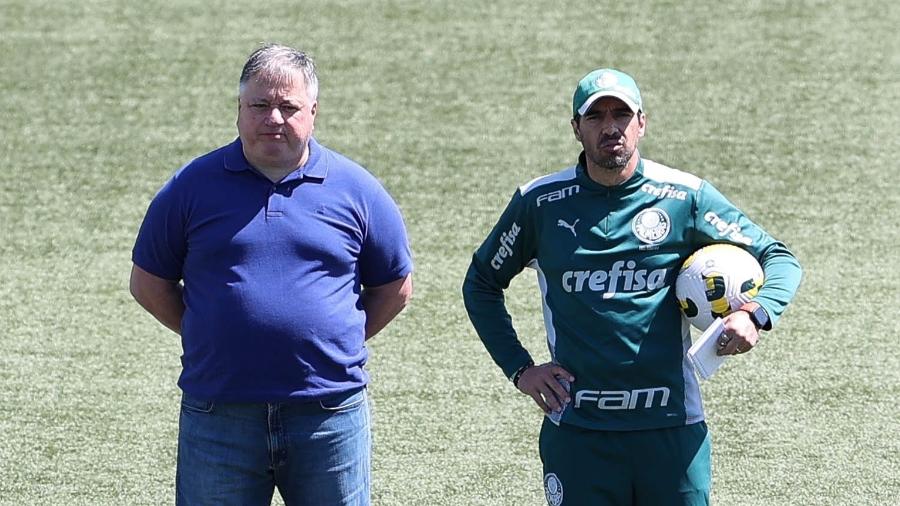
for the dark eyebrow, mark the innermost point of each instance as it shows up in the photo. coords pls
(623, 109)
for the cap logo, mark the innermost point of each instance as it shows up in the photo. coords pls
(607, 80)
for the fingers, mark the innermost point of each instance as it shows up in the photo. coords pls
(559, 394)
(740, 334)
(548, 399)
(731, 344)
(539, 400)
(547, 385)
(547, 393)
(559, 372)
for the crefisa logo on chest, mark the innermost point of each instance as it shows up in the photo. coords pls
(651, 226)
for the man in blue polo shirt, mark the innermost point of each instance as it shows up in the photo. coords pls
(275, 259)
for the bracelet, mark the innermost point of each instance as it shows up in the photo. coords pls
(515, 377)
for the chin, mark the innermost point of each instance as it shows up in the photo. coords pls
(613, 163)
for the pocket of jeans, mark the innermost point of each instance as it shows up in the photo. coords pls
(189, 403)
(343, 403)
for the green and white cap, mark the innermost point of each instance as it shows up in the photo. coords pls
(605, 83)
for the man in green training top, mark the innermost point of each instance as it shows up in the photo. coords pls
(624, 422)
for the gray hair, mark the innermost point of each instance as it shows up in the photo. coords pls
(277, 64)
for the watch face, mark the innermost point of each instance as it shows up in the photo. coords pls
(760, 317)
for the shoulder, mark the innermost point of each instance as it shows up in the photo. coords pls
(547, 188)
(549, 182)
(661, 174)
(202, 166)
(195, 175)
(341, 170)
(349, 184)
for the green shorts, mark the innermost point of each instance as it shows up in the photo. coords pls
(643, 467)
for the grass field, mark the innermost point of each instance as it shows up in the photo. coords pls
(790, 108)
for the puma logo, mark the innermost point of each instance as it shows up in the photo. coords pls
(564, 224)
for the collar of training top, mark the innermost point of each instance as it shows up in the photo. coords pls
(627, 186)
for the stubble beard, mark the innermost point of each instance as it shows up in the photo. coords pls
(613, 163)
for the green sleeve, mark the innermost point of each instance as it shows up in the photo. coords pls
(717, 220)
(506, 251)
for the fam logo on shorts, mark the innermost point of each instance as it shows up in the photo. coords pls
(651, 226)
(553, 489)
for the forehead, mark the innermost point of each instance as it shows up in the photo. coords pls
(290, 85)
(607, 104)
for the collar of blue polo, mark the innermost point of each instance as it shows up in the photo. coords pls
(316, 166)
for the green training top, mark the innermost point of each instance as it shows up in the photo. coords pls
(606, 260)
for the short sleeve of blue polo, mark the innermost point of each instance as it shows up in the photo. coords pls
(272, 272)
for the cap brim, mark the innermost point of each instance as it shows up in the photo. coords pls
(609, 93)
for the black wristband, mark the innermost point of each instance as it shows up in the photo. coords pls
(518, 374)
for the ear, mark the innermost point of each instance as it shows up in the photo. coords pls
(642, 124)
(575, 129)
(314, 108)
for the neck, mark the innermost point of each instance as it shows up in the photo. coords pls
(277, 172)
(612, 176)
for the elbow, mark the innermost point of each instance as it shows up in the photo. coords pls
(148, 289)
(134, 288)
(405, 294)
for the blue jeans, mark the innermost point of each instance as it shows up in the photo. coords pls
(316, 453)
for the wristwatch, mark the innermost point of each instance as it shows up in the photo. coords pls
(518, 374)
(758, 315)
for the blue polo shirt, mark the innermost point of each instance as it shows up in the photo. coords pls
(272, 272)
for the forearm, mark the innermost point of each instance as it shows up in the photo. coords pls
(486, 307)
(383, 303)
(783, 275)
(161, 298)
(168, 309)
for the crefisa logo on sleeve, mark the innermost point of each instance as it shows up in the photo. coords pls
(507, 239)
(731, 230)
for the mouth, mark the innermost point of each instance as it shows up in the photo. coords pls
(610, 144)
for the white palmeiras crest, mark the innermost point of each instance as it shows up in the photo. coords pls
(651, 225)
(553, 489)
(607, 80)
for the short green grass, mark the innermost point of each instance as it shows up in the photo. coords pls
(789, 107)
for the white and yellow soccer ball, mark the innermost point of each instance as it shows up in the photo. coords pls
(715, 281)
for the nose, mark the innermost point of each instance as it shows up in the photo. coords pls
(274, 116)
(609, 128)
(608, 125)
